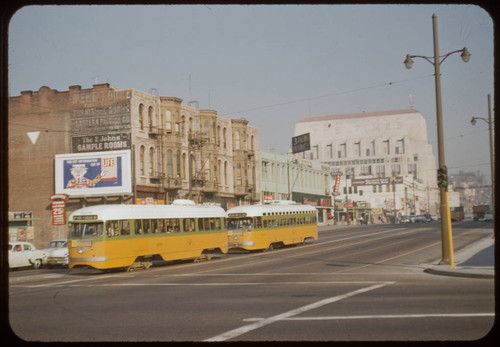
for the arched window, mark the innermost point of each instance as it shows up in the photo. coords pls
(178, 163)
(150, 118)
(224, 137)
(141, 116)
(141, 160)
(218, 136)
(151, 161)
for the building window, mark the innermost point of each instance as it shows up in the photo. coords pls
(400, 146)
(168, 122)
(183, 165)
(265, 173)
(141, 160)
(178, 163)
(206, 130)
(151, 161)
(150, 118)
(342, 153)
(396, 169)
(141, 116)
(412, 169)
(170, 164)
(357, 149)
(238, 174)
(380, 171)
(237, 140)
(387, 148)
(224, 137)
(225, 172)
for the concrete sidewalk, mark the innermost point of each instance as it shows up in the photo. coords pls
(474, 261)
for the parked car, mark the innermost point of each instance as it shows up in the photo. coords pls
(404, 219)
(23, 254)
(488, 216)
(57, 253)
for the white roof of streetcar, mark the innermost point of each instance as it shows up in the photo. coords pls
(178, 209)
(275, 207)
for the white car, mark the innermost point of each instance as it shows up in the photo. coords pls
(57, 253)
(23, 254)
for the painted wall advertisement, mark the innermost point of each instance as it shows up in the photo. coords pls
(90, 174)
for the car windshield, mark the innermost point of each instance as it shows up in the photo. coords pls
(57, 244)
(85, 230)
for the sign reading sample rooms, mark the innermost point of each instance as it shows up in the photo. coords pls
(97, 129)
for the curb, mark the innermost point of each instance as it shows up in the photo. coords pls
(462, 273)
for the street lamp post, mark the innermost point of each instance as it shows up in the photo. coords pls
(492, 155)
(446, 239)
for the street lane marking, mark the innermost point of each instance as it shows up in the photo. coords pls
(390, 316)
(259, 324)
(197, 284)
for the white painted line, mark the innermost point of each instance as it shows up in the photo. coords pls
(244, 329)
(393, 316)
(195, 284)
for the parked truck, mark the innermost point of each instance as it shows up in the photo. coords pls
(457, 214)
(479, 211)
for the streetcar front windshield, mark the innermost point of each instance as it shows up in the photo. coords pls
(85, 230)
(240, 223)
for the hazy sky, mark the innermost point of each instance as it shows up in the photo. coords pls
(272, 65)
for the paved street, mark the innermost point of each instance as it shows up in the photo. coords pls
(354, 284)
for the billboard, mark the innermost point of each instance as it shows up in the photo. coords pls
(301, 143)
(91, 174)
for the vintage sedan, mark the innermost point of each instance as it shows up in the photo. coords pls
(57, 253)
(23, 254)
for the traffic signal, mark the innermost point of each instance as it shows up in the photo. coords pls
(442, 177)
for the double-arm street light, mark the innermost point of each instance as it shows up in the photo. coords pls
(446, 239)
(492, 164)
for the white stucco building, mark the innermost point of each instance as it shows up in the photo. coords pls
(384, 155)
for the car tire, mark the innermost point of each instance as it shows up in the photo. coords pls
(37, 263)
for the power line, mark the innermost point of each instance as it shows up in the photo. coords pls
(325, 95)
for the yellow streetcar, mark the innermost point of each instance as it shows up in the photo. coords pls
(265, 226)
(131, 236)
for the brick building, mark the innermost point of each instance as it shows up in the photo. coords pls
(177, 151)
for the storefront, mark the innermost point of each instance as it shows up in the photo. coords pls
(21, 226)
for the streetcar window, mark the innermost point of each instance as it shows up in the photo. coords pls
(138, 227)
(112, 228)
(172, 225)
(154, 226)
(147, 226)
(265, 223)
(189, 224)
(161, 225)
(125, 227)
(85, 229)
(258, 222)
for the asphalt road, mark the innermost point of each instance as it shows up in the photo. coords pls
(363, 283)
